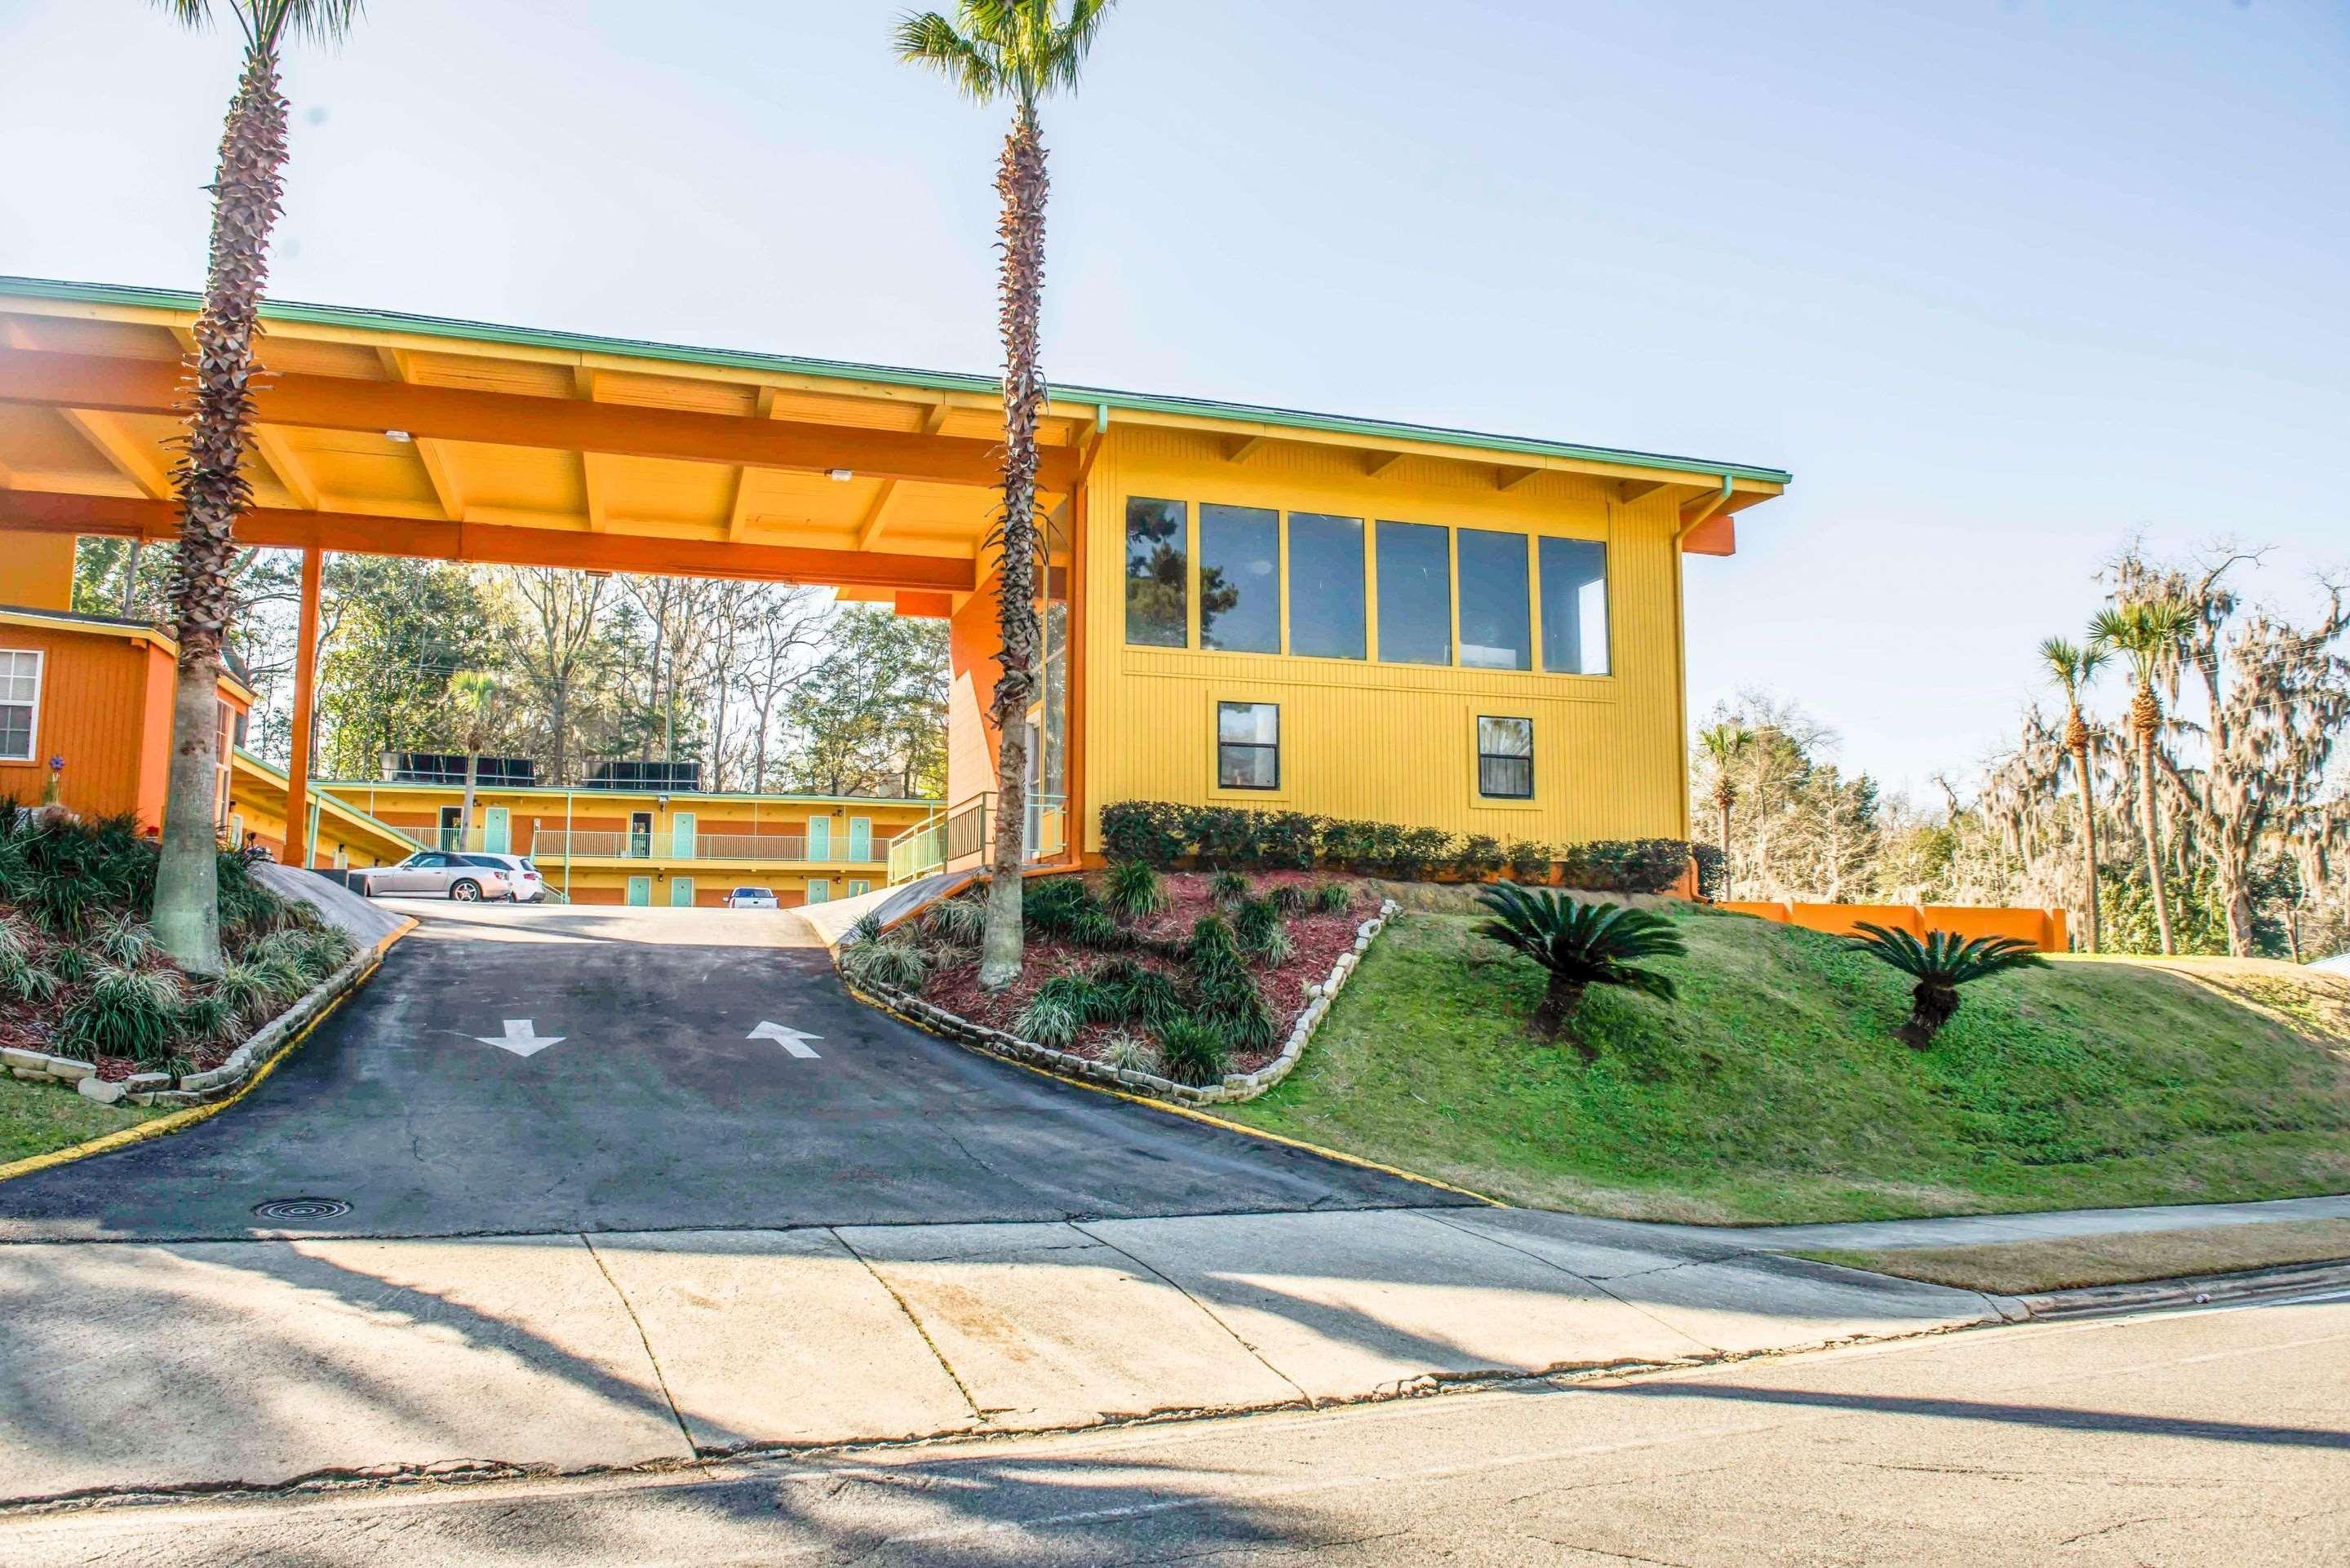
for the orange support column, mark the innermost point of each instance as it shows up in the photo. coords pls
(298, 850)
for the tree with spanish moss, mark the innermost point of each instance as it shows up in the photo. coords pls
(208, 481)
(1022, 51)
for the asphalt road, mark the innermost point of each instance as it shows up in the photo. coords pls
(2188, 1439)
(657, 1109)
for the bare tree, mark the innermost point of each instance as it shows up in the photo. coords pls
(557, 629)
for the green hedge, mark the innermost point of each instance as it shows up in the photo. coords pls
(1160, 832)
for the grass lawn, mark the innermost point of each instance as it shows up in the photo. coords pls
(36, 1118)
(2019, 1268)
(1774, 1091)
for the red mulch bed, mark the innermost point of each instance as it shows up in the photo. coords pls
(1320, 940)
(32, 1025)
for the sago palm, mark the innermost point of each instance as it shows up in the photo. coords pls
(474, 693)
(1725, 746)
(2149, 633)
(209, 480)
(1020, 51)
(2073, 668)
(1941, 964)
(1580, 945)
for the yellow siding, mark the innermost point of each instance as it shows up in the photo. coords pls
(1389, 742)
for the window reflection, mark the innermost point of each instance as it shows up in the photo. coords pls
(1575, 607)
(1239, 578)
(1326, 585)
(1495, 629)
(1157, 607)
(1414, 593)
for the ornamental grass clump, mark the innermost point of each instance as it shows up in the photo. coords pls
(1580, 945)
(1333, 897)
(23, 976)
(62, 873)
(1061, 1005)
(1223, 994)
(1140, 995)
(248, 990)
(1257, 927)
(120, 939)
(889, 962)
(1134, 890)
(1293, 897)
(125, 1012)
(955, 922)
(1064, 908)
(1193, 1053)
(1228, 888)
(1941, 964)
(1129, 1053)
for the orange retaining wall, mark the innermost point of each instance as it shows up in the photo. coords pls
(2044, 929)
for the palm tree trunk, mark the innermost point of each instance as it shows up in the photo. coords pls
(1560, 997)
(465, 816)
(1930, 1007)
(213, 494)
(2147, 823)
(2089, 843)
(1021, 182)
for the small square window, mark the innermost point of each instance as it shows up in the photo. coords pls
(20, 703)
(1248, 745)
(1506, 758)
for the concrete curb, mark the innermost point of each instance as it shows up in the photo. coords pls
(221, 1087)
(2189, 1290)
(1236, 1088)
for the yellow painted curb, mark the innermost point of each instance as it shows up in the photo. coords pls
(1341, 1155)
(189, 1117)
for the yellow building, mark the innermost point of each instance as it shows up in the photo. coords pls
(1249, 605)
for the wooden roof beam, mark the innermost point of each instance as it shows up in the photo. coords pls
(438, 461)
(877, 516)
(1630, 490)
(141, 462)
(350, 532)
(570, 424)
(286, 464)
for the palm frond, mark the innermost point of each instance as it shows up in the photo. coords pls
(1591, 944)
(929, 39)
(1945, 958)
(320, 22)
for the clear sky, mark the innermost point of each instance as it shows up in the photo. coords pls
(2003, 284)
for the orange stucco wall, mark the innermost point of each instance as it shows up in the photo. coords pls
(93, 713)
(972, 644)
(2042, 927)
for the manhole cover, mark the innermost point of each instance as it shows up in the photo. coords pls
(301, 1208)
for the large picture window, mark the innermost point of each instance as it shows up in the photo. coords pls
(1239, 578)
(1414, 593)
(1495, 630)
(1326, 585)
(1575, 607)
(20, 703)
(1506, 758)
(1248, 745)
(1158, 612)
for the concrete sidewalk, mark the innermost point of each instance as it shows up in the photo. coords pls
(1974, 1230)
(135, 1365)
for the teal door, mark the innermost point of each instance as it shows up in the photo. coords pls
(681, 892)
(681, 836)
(860, 838)
(819, 890)
(641, 891)
(819, 843)
(495, 831)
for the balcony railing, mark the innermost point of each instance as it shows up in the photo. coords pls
(554, 846)
(961, 837)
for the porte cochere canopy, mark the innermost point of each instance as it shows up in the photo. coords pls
(390, 434)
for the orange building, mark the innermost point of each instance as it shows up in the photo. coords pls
(85, 713)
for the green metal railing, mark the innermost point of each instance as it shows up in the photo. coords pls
(962, 835)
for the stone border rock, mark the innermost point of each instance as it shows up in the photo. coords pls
(214, 1084)
(1236, 1087)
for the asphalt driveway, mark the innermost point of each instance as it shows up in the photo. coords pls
(569, 1069)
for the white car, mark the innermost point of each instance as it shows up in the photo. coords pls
(528, 887)
(752, 898)
(439, 873)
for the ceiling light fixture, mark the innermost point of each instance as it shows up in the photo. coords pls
(842, 474)
(398, 435)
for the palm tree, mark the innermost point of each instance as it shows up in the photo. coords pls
(1581, 945)
(1725, 746)
(2148, 633)
(1022, 50)
(210, 481)
(2074, 668)
(1941, 964)
(473, 691)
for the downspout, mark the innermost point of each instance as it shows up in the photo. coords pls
(1690, 524)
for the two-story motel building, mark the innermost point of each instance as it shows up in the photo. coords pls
(1250, 606)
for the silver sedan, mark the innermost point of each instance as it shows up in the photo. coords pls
(439, 874)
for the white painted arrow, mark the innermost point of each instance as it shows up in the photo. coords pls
(792, 1039)
(520, 1038)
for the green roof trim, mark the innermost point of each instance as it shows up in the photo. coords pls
(888, 374)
